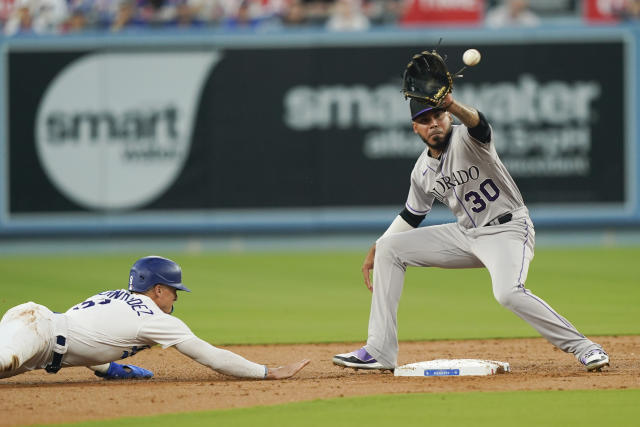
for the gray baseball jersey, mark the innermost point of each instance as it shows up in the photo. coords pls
(472, 181)
(469, 178)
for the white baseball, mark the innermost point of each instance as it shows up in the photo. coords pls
(471, 57)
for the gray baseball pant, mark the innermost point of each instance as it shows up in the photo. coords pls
(505, 250)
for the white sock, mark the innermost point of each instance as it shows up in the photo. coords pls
(100, 368)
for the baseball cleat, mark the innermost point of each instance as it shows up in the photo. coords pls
(359, 359)
(124, 372)
(595, 360)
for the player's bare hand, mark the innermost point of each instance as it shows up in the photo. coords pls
(367, 267)
(287, 371)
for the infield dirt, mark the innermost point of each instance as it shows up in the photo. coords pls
(182, 385)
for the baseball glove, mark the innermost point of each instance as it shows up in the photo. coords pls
(427, 78)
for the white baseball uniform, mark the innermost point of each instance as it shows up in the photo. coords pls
(493, 230)
(108, 326)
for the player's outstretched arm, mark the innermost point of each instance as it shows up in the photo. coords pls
(467, 115)
(229, 363)
(286, 371)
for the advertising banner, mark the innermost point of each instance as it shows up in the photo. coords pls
(440, 12)
(547, 8)
(604, 11)
(203, 128)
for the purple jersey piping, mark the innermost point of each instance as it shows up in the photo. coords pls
(545, 305)
(444, 156)
(417, 211)
(524, 250)
(427, 170)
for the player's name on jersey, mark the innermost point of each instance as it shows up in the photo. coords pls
(106, 297)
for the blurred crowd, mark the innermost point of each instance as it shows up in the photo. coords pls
(69, 16)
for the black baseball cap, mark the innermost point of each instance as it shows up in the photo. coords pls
(419, 107)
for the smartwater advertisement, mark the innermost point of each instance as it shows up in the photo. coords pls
(111, 130)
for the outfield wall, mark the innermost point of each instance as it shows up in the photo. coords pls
(304, 131)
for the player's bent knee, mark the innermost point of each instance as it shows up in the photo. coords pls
(506, 298)
(382, 245)
(385, 248)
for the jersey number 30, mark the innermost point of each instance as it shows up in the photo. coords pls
(490, 192)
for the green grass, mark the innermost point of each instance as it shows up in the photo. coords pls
(496, 409)
(320, 297)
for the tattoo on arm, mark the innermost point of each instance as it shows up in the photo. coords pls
(467, 115)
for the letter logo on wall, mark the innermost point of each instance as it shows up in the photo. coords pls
(113, 130)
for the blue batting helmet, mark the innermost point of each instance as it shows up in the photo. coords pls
(153, 270)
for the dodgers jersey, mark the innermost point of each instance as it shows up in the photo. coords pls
(117, 324)
(469, 178)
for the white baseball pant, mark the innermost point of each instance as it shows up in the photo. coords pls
(27, 338)
(505, 250)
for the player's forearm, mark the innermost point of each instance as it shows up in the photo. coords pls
(467, 115)
(220, 360)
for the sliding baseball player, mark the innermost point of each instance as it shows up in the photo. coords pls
(114, 325)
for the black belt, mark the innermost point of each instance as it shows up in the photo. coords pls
(501, 220)
(56, 361)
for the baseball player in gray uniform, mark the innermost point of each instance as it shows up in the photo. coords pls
(113, 325)
(460, 168)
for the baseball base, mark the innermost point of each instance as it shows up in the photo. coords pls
(452, 367)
